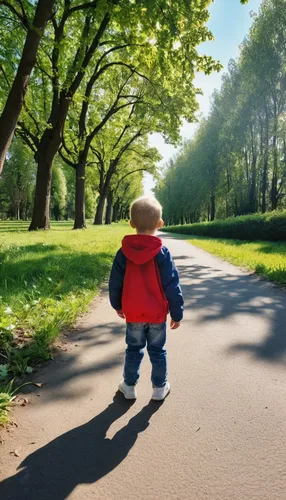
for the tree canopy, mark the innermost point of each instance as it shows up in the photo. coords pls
(100, 72)
(236, 162)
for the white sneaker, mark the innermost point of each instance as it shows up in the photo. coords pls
(160, 393)
(128, 391)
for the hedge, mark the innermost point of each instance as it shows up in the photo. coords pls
(270, 226)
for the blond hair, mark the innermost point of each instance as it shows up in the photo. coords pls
(146, 213)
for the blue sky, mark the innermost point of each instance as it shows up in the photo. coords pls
(229, 22)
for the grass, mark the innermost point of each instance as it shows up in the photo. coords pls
(266, 258)
(7, 395)
(46, 280)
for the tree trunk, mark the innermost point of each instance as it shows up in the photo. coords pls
(252, 186)
(103, 195)
(14, 103)
(41, 210)
(274, 188)
(264, 186)
(235, 205)
(45, 155)
(108, 216)
(246, 164)
(228, 183)
(265, 169)
(115, 212)
(212, 207)
(47, 150)
(79, 220)
(99, 210)
(121, 213)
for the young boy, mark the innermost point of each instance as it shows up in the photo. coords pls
(143, 288)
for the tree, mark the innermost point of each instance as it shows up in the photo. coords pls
(137, 108)
(125, 153)
(135, 162)
(15, 100)
(235, 164)
(175, 30)
(127, 190)
(86, 123)
(155, 42)
(17, 183)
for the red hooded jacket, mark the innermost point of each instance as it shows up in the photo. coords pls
(143, 298)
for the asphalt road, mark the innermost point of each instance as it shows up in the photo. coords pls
(220, 435)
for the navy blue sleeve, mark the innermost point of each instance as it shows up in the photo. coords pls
(170, 283)
(116, 280)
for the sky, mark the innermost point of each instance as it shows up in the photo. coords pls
(229, 23)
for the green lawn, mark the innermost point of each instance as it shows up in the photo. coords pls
(265, 258)
(46, 280)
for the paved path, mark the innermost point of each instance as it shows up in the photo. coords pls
(220, 435)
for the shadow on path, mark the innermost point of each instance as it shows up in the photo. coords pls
(61, 374)
(218, 295)
(80, 456)
(85, 338)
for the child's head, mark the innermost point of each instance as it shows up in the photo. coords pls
(146, 215)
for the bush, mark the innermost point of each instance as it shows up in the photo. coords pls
(271, 227)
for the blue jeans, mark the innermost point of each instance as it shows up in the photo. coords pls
(137, 336)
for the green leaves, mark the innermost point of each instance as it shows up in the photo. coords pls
(234, 165)
(97, 65)
(3, 372)
(162, 49)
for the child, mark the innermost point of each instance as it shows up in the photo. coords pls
(143, 288)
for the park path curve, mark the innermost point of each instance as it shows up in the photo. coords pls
(220, 435)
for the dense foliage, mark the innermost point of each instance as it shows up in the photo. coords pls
(269, 227)
(106, 74)
(236, 162)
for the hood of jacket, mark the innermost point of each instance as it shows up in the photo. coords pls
(140, 248)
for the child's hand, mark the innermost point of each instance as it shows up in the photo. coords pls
(174, 324)
(121, 314)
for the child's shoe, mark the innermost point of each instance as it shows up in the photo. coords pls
(128, 391)
(160, 393)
